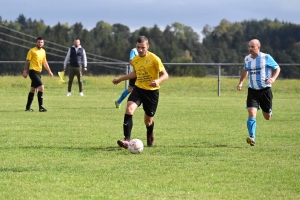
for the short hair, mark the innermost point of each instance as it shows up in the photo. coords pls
(39, 38)
(142, 39)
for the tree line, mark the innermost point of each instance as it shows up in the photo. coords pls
(177, 43)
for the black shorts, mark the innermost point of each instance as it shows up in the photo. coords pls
(260, 98)
(149, 99)
(35, 77)
(132, 82)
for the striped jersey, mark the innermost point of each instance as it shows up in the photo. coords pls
(132, 54)
(259, 70)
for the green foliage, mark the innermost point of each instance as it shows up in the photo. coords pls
(185, 70)
(225, 43)
(70, 152)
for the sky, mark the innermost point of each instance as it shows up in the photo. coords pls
(147, 13)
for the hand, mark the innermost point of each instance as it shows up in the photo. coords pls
(51, 74)
(25, 74)
(239, 86)
(116, 81)
(270, 80)
(154, 83)
(65, 68)
(85, 69)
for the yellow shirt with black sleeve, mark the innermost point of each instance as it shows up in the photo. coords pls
(147, 69)
(36, 57)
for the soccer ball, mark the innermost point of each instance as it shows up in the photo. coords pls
(135, 146)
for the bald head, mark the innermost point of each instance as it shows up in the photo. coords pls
(255, 41)
(254, 47)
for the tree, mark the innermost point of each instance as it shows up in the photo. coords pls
(185, 70)
(207, 30)
(176, 43)
(22, 21)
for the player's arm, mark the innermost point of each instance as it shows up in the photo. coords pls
(26, 68)
(163, 76)
(45, 64)
(131, 75)
(84, 60)
(67, 59)
(274, 76)
(242, 79)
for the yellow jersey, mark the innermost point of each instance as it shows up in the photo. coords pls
(36, 58)
(147, 69)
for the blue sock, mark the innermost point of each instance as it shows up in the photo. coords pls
(123, 96)
(251, 125)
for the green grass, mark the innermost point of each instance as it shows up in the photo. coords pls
(70, 152)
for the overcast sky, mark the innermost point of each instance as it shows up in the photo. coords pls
(138, 13)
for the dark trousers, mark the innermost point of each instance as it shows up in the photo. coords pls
(72, 72)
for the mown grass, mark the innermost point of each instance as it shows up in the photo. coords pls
(70, 152)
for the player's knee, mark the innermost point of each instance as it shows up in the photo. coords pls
(41, 88)
(130, 89)
(267, 116)
(130, 110)
(148, 122)
(252, 112)
(32, 90)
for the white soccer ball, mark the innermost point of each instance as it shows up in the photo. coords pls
(135, 146)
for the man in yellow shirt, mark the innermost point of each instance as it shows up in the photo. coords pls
(36, 58)
(150, 72)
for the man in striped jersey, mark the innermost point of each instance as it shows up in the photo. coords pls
(263, 71)
(131, 84)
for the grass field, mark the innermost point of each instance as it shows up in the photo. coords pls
(70, 152)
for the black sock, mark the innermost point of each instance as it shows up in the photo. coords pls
(40, 99)
(150, 128)
(29, 100)
(127, 126)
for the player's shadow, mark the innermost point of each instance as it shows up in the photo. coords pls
(108, 148)
(200, 146)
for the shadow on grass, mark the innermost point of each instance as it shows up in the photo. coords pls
(200, 146)
(16, 169)
(49, 109)
(87, 108)
(116, 148)
(110, 148)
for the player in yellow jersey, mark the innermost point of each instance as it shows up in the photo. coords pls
(36, 58)
(149, 73)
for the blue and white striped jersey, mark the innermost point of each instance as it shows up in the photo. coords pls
(132, 54)
(259, 69)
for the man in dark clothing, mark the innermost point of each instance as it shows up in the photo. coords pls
(77, 57)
